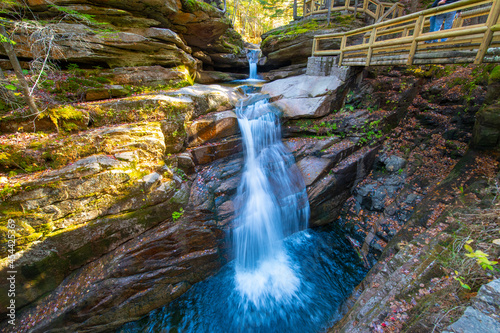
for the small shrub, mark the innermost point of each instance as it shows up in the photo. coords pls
(178, 214)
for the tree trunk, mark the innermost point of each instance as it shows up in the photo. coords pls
(295, 10)
(235, 9)
(329, 4)
(9, 49)
(413, 6)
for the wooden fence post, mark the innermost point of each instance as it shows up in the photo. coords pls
(342, 46)
(488, 35)
(373, 37)
(416, 33)
(377, 13)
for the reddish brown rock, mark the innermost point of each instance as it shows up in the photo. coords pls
(211, 127)
(211, 152)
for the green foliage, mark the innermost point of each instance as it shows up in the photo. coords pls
(460, 279)
(369, 132)
(480, 256)
(5, 39)
(73, 68)
(9, 87)
(180, 173)
(253, 18)
(85, 18)
(178, 214)
(7, 190)
(348, 107)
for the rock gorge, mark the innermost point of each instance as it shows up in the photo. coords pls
(138, 202)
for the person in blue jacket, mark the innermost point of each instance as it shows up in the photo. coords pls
(446, 18)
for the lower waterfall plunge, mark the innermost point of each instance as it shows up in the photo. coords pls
(284, 278)
(271, 204)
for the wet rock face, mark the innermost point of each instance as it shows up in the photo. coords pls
(145, 273)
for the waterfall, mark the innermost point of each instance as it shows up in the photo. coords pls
(271, 204)
(283, 280)
(253, 58)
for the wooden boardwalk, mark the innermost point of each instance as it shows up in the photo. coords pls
(378, 10)
(406, 40)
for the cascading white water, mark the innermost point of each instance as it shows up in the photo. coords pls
(271, 204)
(253, 58)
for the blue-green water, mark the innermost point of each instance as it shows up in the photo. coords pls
(327, 268)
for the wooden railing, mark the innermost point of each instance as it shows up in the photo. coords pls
(473, 38)
(373, 8)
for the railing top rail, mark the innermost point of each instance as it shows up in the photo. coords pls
(409, 17)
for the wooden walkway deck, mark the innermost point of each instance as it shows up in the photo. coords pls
(474, 38)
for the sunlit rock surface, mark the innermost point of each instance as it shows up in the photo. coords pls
(305, 96)
(165, 32)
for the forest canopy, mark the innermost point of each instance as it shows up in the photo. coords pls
(251, 18)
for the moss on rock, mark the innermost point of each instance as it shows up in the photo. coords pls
(495, 75)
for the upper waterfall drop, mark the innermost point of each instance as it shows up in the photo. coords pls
(271, 204)
(253, 57)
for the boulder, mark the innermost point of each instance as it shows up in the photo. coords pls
(304, 96)
(112, 209)
(484, 314)
(313, 167)
(207, 99)
(209, 77)
(113, 91)
(175, 136)
(486, 134)
(284, 72)
(292, 44)
(214, 189)
(146, 75)
(117, 49)
(185, 162)
(216, 125)
(298, 108)
(86, 208)
(211, 152)
(302, 86)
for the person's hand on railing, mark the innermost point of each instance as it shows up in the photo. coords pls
(442, 2)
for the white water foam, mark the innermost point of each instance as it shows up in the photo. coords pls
(272, 203)
(274, 280)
